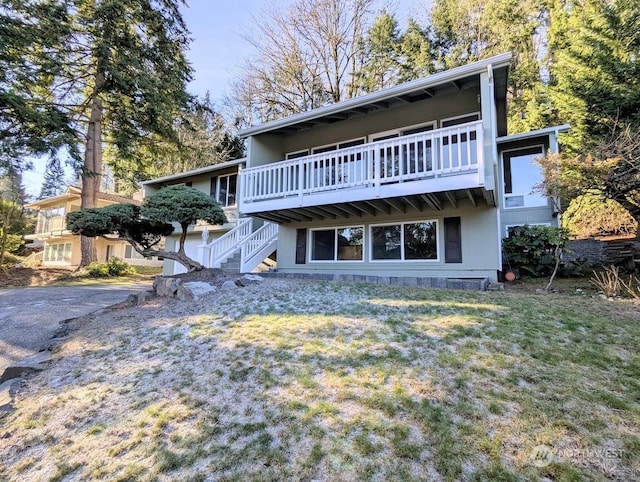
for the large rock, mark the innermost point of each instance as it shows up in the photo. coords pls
(249, 279)
(30, 364)
(166, 286)
(194, 290)
(229, 285)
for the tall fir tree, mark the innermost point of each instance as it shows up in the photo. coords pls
(417, 52)
(30, 34)
(595, 73)
(202, 139)
(380, 58)
(119, 76)
(54, 182)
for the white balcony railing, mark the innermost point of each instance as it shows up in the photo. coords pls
(258, 246)
(217, 252)
(442, 152)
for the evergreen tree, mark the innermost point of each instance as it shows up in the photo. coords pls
(118, 74)
(595, 72)
(54, 180)
(202, 139)
(417, 53)
(469, 30)
(30, 34)
(381, 62)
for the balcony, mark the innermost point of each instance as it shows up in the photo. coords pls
(51, 224)
(419, 171)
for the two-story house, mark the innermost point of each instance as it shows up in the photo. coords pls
(62, 247)
(419, 180)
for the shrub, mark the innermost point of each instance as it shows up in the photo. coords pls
(589, 216)
(532, 249)
(113, 267)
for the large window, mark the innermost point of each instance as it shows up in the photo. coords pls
(58, 252)
(405, 241)
(223, 189)
(337, 244)
(521, 174)
(51, 220)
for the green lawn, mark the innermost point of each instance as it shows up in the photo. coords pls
(338, 381)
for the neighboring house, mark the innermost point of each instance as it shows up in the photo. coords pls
(61, 247)
(417, 180)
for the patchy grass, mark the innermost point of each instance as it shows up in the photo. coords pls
(338, 381)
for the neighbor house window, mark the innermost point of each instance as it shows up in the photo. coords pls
(58, 252)
(521, 174)
(223, 189)
(405, 241)
(337, 244)
(51, 220)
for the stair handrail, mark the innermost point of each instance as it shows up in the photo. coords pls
(256, 242)
(220, 248)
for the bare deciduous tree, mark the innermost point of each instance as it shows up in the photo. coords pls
(305, 58)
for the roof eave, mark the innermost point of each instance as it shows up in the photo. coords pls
(195, 172)
(497, 61)
(537, 133)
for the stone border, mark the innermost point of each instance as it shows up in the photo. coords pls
(470, 284)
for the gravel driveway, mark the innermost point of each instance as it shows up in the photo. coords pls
(30, 316)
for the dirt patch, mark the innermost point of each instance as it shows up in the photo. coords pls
(16, 277)
(208, 275)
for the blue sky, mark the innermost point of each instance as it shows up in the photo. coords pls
(218, 48)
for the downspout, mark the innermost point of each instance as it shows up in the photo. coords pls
(494, 154)
(557, 201)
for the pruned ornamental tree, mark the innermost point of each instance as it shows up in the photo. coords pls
(144, 226)
(610, 170)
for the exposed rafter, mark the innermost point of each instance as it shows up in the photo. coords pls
(433, 201)
(380, 206)
(471, 197)
(311, 213)
(321, 212)
(488, 196)
(336, 210)
(398, 206)
(404, 99)
(351, 209)
(274, 218)
(451, 198)
(413, 202)
(366, 208)
(291, 214)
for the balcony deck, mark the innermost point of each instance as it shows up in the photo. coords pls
(419, 171)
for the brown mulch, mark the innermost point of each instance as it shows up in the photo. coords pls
(17, 277)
